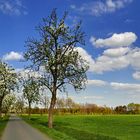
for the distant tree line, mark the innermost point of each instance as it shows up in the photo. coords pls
(64, 106)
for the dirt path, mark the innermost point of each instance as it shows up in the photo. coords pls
(17, 129)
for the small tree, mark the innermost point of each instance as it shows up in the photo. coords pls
(45, 101)
(56, 52)
(31, 92)
(60, 103)
(69, 103)
(8, 102)
(19, 105)
(8, 81)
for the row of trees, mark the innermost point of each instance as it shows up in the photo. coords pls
(63, 106)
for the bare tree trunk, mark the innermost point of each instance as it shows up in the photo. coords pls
(50, 113)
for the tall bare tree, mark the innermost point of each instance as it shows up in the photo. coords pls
(8, 80)
(55, 51)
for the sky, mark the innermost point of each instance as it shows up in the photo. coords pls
(112, 43)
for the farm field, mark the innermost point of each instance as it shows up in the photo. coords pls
(92, 127)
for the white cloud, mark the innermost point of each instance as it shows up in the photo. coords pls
(14, 7)
(99, 83)
(129, 87)
(134, 58)
(87, 57)
(105, 63)
(136, 75)
(98, 8)
(120, 56)
(72, 6)
(116, 40)
(134, 96)
(94, 97)
(129, 20)
(126, 86)
(116, 52)
(113, 59)
(13, 56)
(109, 61)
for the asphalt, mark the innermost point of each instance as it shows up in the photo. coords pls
(17, 129)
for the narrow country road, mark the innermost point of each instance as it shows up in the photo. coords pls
(17, 129)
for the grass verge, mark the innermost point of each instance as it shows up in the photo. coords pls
(3, 122)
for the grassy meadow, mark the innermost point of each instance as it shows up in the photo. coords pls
(92, 127)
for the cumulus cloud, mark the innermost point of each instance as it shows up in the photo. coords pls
(136, 75)
(109, 61)
(119, 55)
(129, 87)
(116, 52)
(105, 63)
(13, 7)
(134, 58)
(94, 97)
(13, 56)
(98, 8)
(87, 57)
(113, 59)
(126, 86)
(99, 83)
(116, 40)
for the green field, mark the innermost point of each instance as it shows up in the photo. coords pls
(69, 127)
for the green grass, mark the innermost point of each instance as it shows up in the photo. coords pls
(3, 122)
(114, 127)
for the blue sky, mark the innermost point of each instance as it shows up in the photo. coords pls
(112, 43)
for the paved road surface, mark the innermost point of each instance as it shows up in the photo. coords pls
(17, 129)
